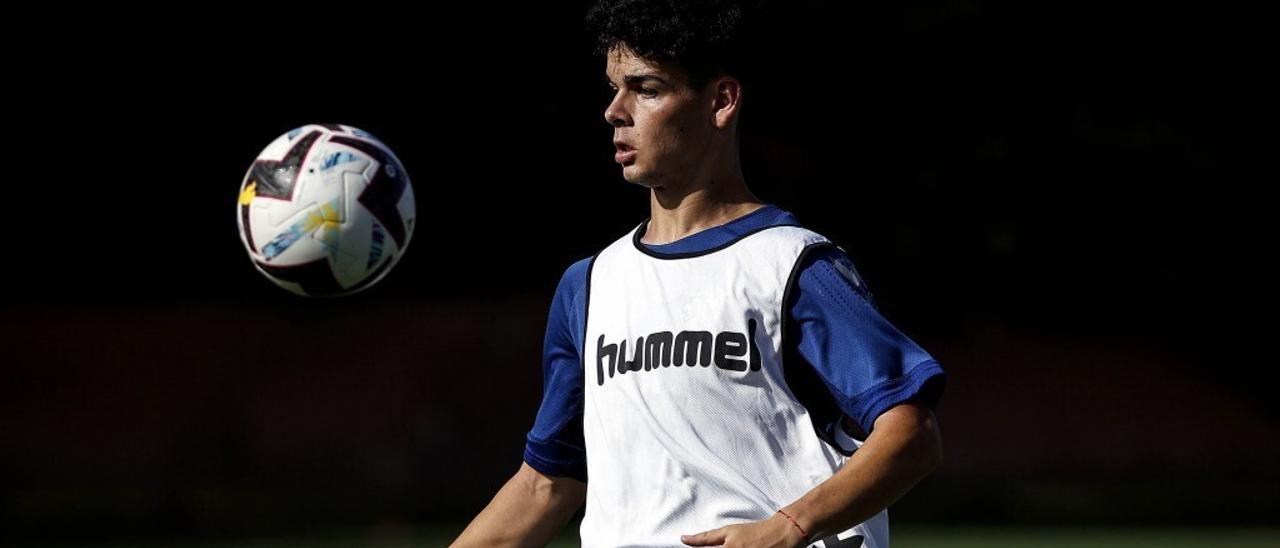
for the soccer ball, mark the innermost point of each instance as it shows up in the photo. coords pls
(325, 210)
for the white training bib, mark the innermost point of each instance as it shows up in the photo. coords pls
(688, 423)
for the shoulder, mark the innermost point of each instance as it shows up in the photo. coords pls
(573, 282)
(783, 226)
(577, 272)
(785, 242)
(826, 269)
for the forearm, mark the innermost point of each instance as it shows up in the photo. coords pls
(527, 511)
(903, 448)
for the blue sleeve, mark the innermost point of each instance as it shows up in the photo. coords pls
(866, 364)
(554, 446)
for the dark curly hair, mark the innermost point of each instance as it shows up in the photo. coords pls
(706, 38)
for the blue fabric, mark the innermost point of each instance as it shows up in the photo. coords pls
(866, 364)
(555, 446)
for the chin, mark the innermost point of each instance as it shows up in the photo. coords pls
(633, 175)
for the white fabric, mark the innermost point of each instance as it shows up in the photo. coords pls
(681, 449)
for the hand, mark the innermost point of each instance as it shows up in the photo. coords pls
(775, 532)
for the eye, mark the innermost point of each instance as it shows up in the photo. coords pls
(648, 92)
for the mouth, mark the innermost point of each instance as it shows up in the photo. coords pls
(624, 154)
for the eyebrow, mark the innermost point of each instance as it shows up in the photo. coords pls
(640, 78)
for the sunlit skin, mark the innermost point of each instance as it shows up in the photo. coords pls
(679, 142)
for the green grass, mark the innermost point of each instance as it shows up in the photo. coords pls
(917, 537)
(902, 537)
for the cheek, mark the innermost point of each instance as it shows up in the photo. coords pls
(673, 134)
(669, 134)
(690, 128)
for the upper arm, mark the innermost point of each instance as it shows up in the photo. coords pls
(565, 486)
(554, 445)
(865, 363)
(917, 426)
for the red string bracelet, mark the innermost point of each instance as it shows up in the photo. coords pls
(793, 522)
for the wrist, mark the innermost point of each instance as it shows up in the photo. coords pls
(789, 521)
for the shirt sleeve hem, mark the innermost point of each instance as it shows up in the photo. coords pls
(923, 383)
(553, 458)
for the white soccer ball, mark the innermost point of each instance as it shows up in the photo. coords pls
(325, 210)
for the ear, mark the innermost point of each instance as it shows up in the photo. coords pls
(726, 100)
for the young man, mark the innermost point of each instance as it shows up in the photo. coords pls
(720, 374)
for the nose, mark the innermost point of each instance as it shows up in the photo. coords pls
(614, 114)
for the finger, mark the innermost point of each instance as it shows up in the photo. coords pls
(714, 537)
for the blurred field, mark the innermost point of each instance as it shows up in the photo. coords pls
(903, 537)
(1072, 538)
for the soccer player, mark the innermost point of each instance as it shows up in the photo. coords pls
(720, 375)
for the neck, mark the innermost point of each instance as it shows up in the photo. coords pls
(676, 213)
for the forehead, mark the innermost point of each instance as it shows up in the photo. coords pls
(623, 64)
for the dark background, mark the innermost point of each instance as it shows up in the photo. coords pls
(1054, 201)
